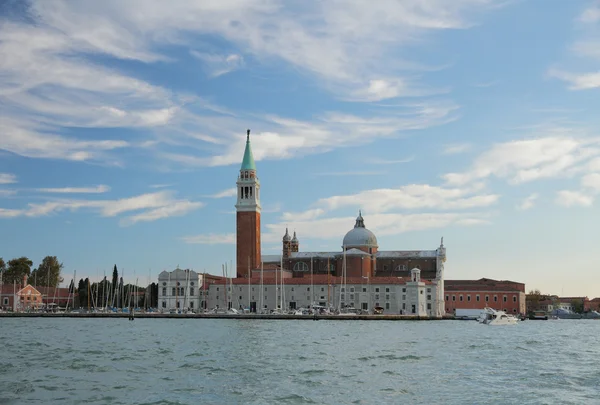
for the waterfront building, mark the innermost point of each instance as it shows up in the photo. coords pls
(507, 296)
(183, 289)
(24, 296)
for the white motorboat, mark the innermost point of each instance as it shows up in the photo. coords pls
(493, 317)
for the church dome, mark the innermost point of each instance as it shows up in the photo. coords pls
(287, 237)
(295, 239)
(360, 236)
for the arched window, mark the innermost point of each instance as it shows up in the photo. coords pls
(331, 268)
(400, 267)
(300, 266)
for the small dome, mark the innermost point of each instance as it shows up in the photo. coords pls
(286, 237)
(295, 239)
(360, 236)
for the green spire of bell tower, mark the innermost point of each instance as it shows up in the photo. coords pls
(248, 162)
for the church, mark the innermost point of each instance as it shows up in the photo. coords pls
(359, 258)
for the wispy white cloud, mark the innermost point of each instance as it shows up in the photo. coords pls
(218, 65)
(230, 192)
(175, 209)
(577, 81)
(76, 190)
(528, 202)
(285, 137)
(352, 173)
(210, 239)
(455, 149)
(569, 198)
(7, 178)
(153, 206)
(591, 14)
(378, 161)
(532, 159)
(383, 211)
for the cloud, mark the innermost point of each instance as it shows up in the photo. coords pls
(578, 81)
(382, 209)
(569, 198)
(528, 202)
(352, 173)
(76, 190)
(528, 160)
(590, 14)
(7, 178)
(284, 138)
(176, 209)
(218, 65)
(210, 239)
(154, 206)
(455, 149)
(378, 161)
(591, 182)
(410, 197)
(6, 192)
(230, 192)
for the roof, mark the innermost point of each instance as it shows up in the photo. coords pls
(322, 279)
(248, 161)
(402, 254)
(50, 292)
(271, 258)
(315, 255)
(483, 284)
(178, 274)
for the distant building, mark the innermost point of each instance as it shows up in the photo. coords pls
(395, 295)
(182, 289)
(508, 296)
(24, 297)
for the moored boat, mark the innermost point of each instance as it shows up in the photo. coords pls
(493, 317)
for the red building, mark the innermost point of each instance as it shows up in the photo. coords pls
(508, 296)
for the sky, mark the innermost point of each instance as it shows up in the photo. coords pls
(123, 123)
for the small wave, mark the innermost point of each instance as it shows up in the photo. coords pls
(312, 372)
(296, 399)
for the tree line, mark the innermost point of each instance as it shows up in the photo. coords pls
(46, 274)
(93, 295)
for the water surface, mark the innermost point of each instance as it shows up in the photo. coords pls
(214, 361)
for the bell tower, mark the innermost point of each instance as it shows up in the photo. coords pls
(248, 215)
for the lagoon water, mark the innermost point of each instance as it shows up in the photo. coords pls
(215, 361)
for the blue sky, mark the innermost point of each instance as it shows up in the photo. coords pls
(122, 128)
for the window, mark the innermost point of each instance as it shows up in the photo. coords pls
(447, 298)
(191, 290)
(460, 298)
(322, 289)
(429, 297)
(454, 298)
(477, 298)
(404, 290)
(164, 291)
(292, 288)
(403, 306)
(495, 298)
(352, 289)
(469, 298)
(429, 290)
(240, 288)
(175, 293)
(428, 305)
(387, 305)
(404, 298)
(164, 283)
(400, 267)
(504, 298)
(514, 298)
(421, 292)
(241, 298)
(300, 266)
(164, 304)
(177, 304)
(387, 290)
(217, 288)
(307, 288)
(192, 304)
(364, 289)
(365, 306)
(487, 298)
(385, 267)
(387, 296)
(377, 289)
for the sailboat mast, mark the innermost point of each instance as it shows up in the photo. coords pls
(249, 282)
(312, 289)
(328, 282)
(261, 287)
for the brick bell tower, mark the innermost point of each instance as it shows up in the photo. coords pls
(248, 215)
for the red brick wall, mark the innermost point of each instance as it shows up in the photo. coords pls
(248, 242)
(452, 300)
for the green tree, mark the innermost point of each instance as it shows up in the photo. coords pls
(115, 278)
(48, 272)
(82, 292)
(577, 306)
(17, 268)
(2, 265)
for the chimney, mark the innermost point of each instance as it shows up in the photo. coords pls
(24, 280)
